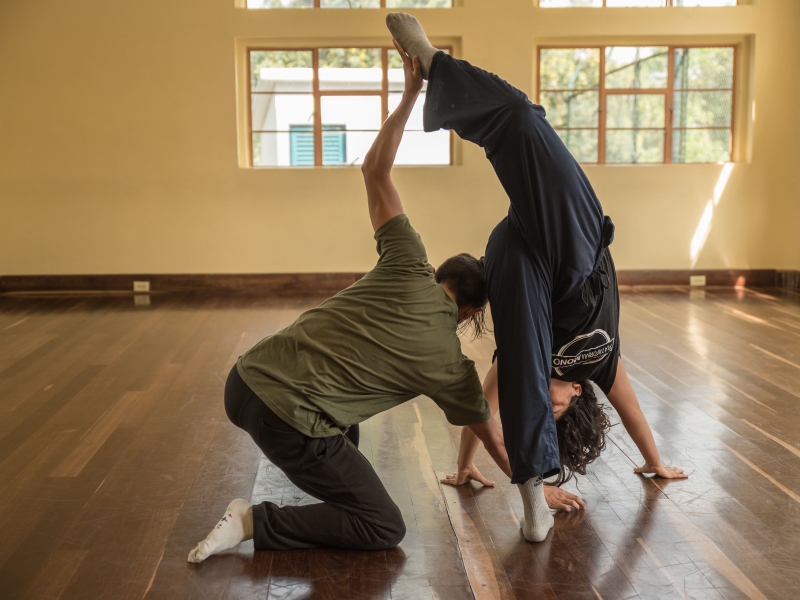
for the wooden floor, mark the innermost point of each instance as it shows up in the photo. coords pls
(116, 458)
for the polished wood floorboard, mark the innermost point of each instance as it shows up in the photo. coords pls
(116, 458)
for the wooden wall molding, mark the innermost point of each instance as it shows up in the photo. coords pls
(789, 280)
(274, 283)
(292, 284)
(714, 277)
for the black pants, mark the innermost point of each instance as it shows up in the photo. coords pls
(356, 511)
(538, 256)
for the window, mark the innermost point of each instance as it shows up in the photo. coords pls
(324, 107)
(349, 3)
(652, 104)
(639, 3)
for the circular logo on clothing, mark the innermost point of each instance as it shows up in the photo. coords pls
(585, 349)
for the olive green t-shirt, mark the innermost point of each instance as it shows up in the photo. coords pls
(386, 339)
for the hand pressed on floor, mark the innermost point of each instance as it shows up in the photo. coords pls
(465, 475)
(661, 471)
(562, 500)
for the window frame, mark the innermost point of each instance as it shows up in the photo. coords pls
(319, 94)
(670, 4)
(668, 92)
(318, 4)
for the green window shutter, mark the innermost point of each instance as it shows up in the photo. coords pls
(301, 145)
(334, 145)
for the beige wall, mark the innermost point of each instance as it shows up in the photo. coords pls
(119, 152)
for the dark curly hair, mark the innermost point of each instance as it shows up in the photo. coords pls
(581, 433)
(465, 276)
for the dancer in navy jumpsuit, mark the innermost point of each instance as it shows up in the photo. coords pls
(552, 288)
(552, 284)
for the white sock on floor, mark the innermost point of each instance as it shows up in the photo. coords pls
(538, 521)
(407, 30)
(235, 526)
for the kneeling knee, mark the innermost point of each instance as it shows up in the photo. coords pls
(390, 532)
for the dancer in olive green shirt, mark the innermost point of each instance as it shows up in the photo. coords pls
(388, 338)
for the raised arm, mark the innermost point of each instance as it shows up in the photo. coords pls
(624, 400)
(382, 196)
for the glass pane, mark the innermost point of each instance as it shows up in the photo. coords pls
(281, 71)
(703, 68)
(280, 3)
(569, 3)
(277, 112)
(419, 4)
(703, 2)
(284, 148)
(632, 67)
(634, 146)
(582, 143)
(355, 112)
(645, 3)
(395, 73)
(350, 3)
(419, 148)
(702, 109)
(701, 145)
(350, 69)
(358, 117)
(571, 109)
(415, 119)
(569, 68)
(635, 110)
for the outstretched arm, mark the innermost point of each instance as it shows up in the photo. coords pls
(623, 399)
(470, 442)
(382, 196)
(491, 434)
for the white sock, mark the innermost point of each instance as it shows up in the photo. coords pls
(538, 521)
(407, 30)
(235, 526)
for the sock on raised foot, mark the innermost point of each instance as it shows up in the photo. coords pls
(407, 30)
(538, 521)
(235, 526)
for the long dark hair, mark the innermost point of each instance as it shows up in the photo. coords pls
(465, 276)
(581, 433)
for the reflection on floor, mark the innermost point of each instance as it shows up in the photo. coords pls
(116, 458)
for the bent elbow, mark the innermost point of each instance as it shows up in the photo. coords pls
(368, 169)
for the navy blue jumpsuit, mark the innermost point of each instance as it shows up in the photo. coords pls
(539, 258)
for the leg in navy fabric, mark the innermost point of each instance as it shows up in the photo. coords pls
(519, 295)
(552, 202)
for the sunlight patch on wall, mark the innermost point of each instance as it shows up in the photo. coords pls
(704, 226)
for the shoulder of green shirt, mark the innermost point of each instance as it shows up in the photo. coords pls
(401, 218)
